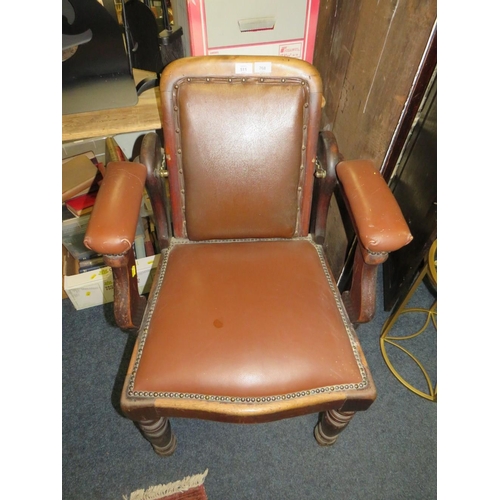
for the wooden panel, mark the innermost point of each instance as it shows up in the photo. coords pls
(368, 53)
(337, 25)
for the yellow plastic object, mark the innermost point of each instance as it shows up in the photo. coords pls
(429, 270)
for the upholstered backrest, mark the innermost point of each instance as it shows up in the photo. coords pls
(240, 141)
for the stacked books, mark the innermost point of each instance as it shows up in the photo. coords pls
(81, 177)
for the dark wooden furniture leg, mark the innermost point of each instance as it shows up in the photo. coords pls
(160, 435)
(330, 425)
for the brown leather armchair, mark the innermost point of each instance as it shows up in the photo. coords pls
(244, 322)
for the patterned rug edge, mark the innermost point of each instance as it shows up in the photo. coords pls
(161, 491)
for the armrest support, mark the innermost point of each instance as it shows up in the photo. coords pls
(378, 221)
(327, 156)
(380, 228)
(151, 156)
(111, 232)
(128, 305)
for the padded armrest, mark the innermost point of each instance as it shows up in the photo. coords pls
(379, 223)
(112, 225)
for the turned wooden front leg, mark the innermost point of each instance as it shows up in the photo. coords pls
(160, 435)
(331, 423)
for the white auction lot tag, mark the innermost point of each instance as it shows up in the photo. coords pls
(262, 67)
(244, 68)
(249, 68)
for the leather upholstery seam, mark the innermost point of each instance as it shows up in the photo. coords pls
(376, 253)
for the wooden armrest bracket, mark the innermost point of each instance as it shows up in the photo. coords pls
(327, 158)
(151, 156)
(129, 306)
(360, 300)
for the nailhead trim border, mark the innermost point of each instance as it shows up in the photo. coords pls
(132, 393)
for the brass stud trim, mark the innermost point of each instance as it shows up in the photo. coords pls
(233, 399)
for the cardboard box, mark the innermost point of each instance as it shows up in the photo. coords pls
(69, 266)
(241, 27)
(95, 288)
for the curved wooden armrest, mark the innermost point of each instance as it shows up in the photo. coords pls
(379, 224)
(111, 232)
(113, 223)
(380, 228)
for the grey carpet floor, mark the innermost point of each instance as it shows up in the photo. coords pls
(388, 452)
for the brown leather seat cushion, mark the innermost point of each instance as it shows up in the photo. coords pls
(256, 319)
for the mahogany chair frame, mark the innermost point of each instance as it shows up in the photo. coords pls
(378, 222)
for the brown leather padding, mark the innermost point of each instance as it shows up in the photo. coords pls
(240, 149)
(379, 222)
(242, 184)
(113, 224)
(245, 319)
